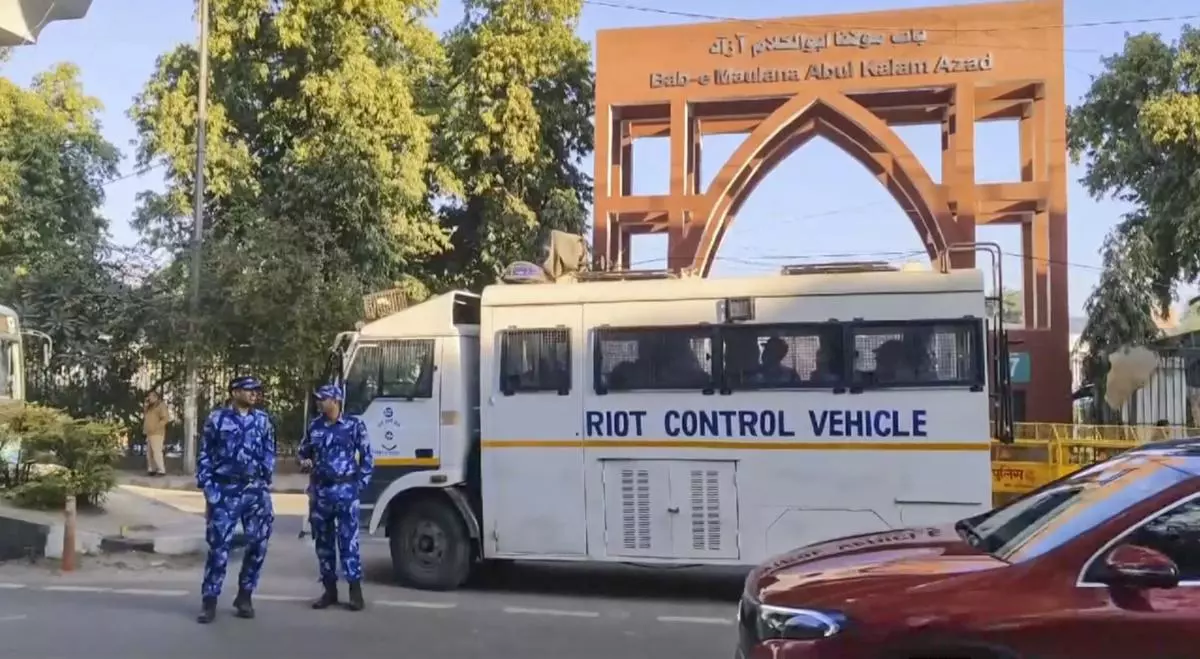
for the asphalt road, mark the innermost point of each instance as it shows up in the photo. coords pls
(131, 625)
(139, 606)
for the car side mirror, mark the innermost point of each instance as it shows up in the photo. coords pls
(1134, 566)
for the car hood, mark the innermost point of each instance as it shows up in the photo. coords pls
(854, 566)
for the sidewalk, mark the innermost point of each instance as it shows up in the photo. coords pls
(284, 483)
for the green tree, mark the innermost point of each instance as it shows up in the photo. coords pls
(56, 266)
(319, 173)
(1119, 313)
(72, 457)
(516, 123)
(1137, 130)
(53, 165)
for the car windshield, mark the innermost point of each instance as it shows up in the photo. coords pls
(1054, 514)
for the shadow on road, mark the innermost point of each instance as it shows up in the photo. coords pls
(597, 580)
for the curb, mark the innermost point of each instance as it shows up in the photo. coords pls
(177, 545)
(151, 484)
(21, 539)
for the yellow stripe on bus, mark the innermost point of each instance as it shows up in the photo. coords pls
(407, 462)
(740, 445)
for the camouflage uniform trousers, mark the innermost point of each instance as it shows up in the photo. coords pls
(227, 506)
(333, 515)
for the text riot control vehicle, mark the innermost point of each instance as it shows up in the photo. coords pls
(672, 420)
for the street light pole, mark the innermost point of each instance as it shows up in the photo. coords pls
(190, 403)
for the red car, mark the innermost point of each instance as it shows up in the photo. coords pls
(1101, 564)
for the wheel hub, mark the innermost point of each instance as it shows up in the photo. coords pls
(427, 543)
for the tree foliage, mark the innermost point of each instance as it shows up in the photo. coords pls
(318, 172)
(1137, 130)
(74, 456)
(516, 122)
(57, 267)
(350, 149)
(53, 164)
(1119, 311)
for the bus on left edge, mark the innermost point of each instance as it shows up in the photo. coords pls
(12, 359)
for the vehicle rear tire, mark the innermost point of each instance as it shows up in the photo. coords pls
(430, 546)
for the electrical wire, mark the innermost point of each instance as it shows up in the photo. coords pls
(775, 260)
(609, 4)
(103, 184)
(1066, 26)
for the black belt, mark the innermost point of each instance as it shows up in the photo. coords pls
(335, 480)
(231, 480)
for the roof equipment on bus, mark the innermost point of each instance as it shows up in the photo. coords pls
(566, 260)
(627, 275)
(837, 267)
(384, 303)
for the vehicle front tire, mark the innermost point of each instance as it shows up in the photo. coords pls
(430, 546)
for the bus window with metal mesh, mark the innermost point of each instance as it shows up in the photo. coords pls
(917, 354)
(536, 360)
(783, 356)
(406, 369)
(654, 358)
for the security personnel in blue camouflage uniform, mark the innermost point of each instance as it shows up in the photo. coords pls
(235, 469)
(339, 455)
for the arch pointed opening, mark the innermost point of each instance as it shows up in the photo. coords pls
(856, 131)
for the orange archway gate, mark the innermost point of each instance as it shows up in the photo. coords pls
(851, 79)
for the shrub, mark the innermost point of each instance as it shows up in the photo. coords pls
(84, 450)
(48, 492)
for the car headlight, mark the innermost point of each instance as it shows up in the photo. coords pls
(781, 622)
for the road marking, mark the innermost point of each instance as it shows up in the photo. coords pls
(417, 605)
(150, 591)
(76, 589)
(550, 612)
(403, 604)
(696, 620)
(283, 598)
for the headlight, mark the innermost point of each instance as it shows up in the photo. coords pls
(780, 622)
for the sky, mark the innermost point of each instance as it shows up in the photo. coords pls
(818, 205)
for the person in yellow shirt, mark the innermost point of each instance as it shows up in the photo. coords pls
(154, 426)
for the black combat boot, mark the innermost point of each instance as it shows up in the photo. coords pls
(208, 611)
(329, 597)
(243, 606)
(356, 597)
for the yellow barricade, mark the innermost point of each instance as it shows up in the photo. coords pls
(1044, 452)
(1019, 477)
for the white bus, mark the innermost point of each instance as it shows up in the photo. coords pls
(12, 360)
(671, 421)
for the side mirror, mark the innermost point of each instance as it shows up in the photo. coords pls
(1134, 566)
